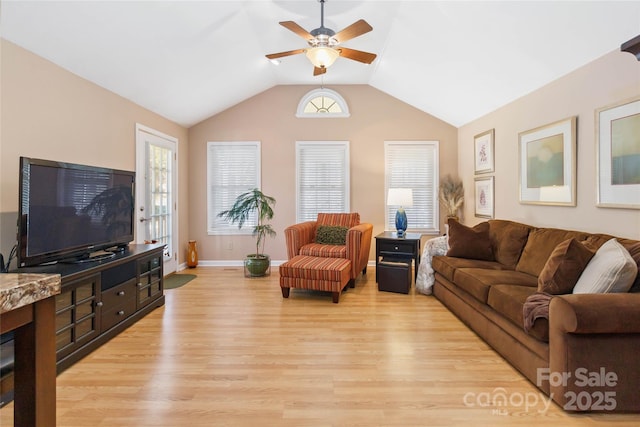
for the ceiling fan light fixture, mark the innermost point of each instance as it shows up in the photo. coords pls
(322, 56)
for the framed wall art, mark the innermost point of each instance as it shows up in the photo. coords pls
(548, 164)
(484, 157)
(618, 155)
(484, 197)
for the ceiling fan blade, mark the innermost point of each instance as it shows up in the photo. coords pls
(356, 29)
(318, 70)
(292, 26)
(357, 55)
(283, 54)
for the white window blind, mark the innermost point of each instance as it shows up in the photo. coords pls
(322, 178)
(413, 164)
(232, 169)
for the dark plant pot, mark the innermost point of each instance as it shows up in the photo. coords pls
(257, 265)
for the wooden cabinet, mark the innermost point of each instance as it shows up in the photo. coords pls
(78, 309)
(119, 302)
(100, 299)
(149, 279)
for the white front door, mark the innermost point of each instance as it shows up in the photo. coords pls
(156, 192)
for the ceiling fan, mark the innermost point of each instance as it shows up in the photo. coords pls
(324, 43)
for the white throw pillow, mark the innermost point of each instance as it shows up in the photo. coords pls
(612, 269)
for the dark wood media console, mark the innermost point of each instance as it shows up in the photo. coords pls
(100, 299)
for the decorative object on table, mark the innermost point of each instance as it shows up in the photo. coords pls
(548, 164)
(426, 276)
(451, 195)
(174, 281)
(401, 197)
(618, 154)
(254, 207)
(484, 157)
(484, 197)
(192, 254)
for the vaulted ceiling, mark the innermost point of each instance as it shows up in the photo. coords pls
(189, 60)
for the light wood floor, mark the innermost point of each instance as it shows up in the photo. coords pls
(230, 351)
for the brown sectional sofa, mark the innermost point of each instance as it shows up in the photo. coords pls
(591, 339)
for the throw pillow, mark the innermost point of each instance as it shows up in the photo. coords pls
(466, 242)
(564, 267)
(612, 269)
(633, 246)
(331, 235)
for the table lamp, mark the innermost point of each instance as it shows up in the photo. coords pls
(401, 197)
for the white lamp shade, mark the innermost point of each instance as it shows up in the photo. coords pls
(400, 197)
(322, 57)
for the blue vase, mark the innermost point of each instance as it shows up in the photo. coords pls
(401, 222)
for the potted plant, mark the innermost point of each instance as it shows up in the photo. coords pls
(451, 195)
(246, 204)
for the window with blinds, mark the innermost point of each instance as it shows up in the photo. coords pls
(414, 165)
(322, 178)
(232, 169)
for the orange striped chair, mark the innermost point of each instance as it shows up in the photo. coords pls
(322, 266)
(301, 240)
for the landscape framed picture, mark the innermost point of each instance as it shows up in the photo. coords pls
(484, 197)
(548, 164)
(484, 157)
(618, 155)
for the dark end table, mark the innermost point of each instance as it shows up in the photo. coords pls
(393, 248)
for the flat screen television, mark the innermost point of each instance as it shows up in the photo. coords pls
(72, 212)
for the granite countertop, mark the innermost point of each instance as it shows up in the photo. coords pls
(20, 289)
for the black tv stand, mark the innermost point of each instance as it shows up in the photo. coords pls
(99, 300)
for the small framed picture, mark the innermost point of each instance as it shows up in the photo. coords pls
(618, 154)
(484, 197)
(484, 152)
(548, 164)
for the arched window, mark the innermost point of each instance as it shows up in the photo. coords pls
(322, 103)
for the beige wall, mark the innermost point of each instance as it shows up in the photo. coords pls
(608, 80)
(270, 118)
(48, 112)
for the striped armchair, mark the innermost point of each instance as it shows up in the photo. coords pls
(301, 240)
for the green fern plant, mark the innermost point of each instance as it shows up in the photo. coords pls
(245, 205)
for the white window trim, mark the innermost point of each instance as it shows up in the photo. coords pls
(322, 92)
(436, 185)
(347, 163)
(232, 230)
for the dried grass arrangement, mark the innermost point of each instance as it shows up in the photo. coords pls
(451, 195)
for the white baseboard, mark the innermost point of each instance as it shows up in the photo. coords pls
(240, 263)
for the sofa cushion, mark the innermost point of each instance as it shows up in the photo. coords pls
(467, 242)
(507, 241)
(612, 269)
(564, 267)
(478, 281)
(540, 244)
(324, 251)
(594, 242)
(633, 247)
(509, 300)
(342, 219)
(331, 234)
(447, 266)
